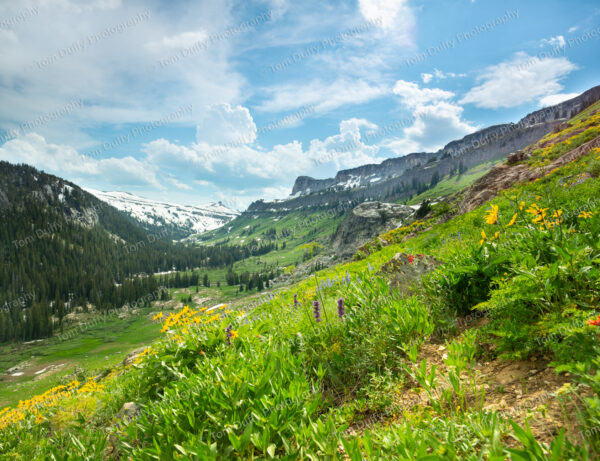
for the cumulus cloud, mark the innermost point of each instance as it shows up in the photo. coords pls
(222, 124)
(519, 80)
(33, 149)
(438, 119)
(346, 149)
(559, 40)
(412, 95)
(394, 18)
(426, 77)
(435, 125)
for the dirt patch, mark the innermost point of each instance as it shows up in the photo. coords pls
(504, 176)
(527, 391)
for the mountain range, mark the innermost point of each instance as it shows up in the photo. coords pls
(178, 221)
(401, 177)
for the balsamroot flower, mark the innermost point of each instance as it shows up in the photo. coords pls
(512, 220)
(317, 311)
(341, 309)
(483, 238)
(491, 216)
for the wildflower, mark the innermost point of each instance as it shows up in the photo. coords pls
(539, 214)
(585, 215)
(341, 308)
(234, 334)
(483, 238)
(317, 311)
(492, 215)
(558, 216)
(512, 220)
(158, 316)
(411, 258)
(229, 334)
(295, 300)
(594, 322)
(496, 235)
(521, 205)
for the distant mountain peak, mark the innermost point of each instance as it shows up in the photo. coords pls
(181, 220)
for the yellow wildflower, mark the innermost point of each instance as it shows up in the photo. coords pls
(492, 214)
(483, 237)
(512, 220)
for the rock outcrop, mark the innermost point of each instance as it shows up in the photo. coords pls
(364, 222)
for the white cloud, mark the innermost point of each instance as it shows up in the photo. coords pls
(323, 96)
(177, 183)
(439, 75)
(282, 161)
(413, 96)
(62, 160)
(183, 40)
(426, 77)
(346, 149)
(559, 40)
(435, 126)
(55, 57)
(438, 120)
(222, 124)
(554, 99)
(393, 17)
(519, 80)
(573, 29)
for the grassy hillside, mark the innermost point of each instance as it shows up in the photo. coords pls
(491, 354)
(451, 184)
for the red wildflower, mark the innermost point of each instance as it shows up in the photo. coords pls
(594, 322)
(411, 258)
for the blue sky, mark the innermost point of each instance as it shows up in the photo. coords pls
(199, 101)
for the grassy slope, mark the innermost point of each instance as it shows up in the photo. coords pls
(450, 185)
(311, 381)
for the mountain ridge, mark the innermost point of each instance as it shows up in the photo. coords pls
(489, 143)
(178, 220)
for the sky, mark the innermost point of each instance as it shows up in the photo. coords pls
(201, 101)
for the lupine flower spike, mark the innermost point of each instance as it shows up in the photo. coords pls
(341, 308)
(229, 334)
(295, 300)
(317, 311)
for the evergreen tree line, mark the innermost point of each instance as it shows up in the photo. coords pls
(60, 248)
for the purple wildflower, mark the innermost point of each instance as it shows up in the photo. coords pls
(317, 311)
(341, 308)
(295, 300)
(228, 334)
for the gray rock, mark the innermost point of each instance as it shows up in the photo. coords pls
(364, 222)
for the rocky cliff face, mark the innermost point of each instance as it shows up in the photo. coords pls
(400, 177)
(364, 222)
